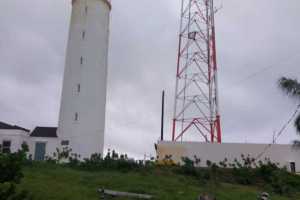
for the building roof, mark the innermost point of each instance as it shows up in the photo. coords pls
(12, 127)
(49, 132)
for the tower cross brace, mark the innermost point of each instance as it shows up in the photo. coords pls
(196, 108)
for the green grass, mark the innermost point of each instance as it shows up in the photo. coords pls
(52, 182)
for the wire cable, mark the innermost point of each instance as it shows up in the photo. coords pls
(264, 69)
(280, 132)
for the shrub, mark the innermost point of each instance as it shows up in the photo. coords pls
(10, 168)
(110, 161)
(279, 183)
(167, 161)
(8, 191)
(245, 171)
(243, 175)
(188, 167)
(11, 174)
(60, 155)
(265, 171)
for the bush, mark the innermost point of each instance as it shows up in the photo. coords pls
(245, 171)
(266, 174)
(112, 160)
(279, 184)
(10, 168)
(266, 171)
(60, 155)
(188, 167)
(11, 174)
(166, 162)
(11, 165)
(243, 175)
(8, 192)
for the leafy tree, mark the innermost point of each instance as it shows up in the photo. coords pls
(292, 88)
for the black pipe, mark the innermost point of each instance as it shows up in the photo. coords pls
(162, 116)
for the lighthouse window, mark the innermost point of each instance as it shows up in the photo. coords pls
(76, 116)
(78, 88)
(83, 34)
(81, 60)
(86, 10)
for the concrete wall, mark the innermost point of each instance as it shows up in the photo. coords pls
(86, 64)
(282, 154)
(16, 137)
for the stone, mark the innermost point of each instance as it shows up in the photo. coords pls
(206, 197)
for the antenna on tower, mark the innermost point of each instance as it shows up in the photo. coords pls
(196, 106)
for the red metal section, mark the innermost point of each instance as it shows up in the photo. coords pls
(196, 107)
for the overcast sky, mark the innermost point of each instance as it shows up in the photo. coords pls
(251, 35)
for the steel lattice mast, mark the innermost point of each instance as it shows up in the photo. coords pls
(196, 96)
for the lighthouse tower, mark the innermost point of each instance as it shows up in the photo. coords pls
(82, 112)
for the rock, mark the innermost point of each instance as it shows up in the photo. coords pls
(264, 196)
(206, 197)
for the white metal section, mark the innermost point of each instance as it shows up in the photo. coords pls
(278, 153)
(82, 112)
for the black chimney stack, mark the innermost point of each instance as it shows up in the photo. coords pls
(162, 116)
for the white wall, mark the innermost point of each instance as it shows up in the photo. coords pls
(51, 145)
(282, 154)
(86, 135)
(17, 137)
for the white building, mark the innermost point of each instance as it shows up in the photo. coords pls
(42, 141)
(12, 137)
(82, 112)
(284, 155)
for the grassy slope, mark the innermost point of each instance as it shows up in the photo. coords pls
(49, 182)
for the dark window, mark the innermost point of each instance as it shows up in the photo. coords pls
(65, 142)
(83, 34)
(81, 60)
(6, 146)
(293, 167)
(78, 88)
(76, 116)
(86, 10)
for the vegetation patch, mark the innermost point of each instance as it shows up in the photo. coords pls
(11, 175)
(77, 180)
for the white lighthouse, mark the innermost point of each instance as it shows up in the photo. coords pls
(82, 112)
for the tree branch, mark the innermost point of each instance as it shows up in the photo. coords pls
(290, 86)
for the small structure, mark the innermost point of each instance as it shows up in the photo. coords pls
(12, 137)
(283, 154)
(43, 142)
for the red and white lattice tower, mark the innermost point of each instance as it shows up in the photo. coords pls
(196, 96)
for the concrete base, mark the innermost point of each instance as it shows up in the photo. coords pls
(284, 155)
